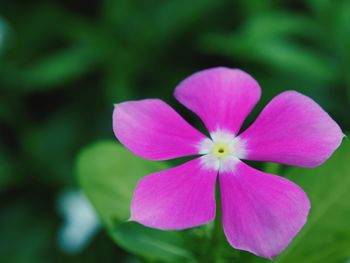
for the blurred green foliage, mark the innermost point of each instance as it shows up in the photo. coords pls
(64, 63)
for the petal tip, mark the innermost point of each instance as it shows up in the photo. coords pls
(273, 224)
(299, 131)
(215, 94)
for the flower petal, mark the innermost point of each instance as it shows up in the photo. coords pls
(221, 97)
(153, 130)
(292, 129)
(261, 212)
(177, 198)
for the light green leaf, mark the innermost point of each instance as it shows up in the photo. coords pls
(326, 236)
(108, 174)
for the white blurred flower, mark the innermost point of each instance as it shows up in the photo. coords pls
(80, 221)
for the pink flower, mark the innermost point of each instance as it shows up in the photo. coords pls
(261, 212)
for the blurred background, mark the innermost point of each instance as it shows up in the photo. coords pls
(64, 63)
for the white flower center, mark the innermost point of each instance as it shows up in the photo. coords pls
(222, 152)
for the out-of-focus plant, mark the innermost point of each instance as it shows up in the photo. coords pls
(64, 63)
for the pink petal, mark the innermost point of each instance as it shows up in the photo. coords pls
(221, 97)
(292, 129)
(178, 198)
(261, 212)
(152, 129)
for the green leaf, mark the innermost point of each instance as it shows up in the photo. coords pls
(291, 57)
(58, 68)
(108, 174)
(326, 236)
(272, 40)
(277, 24)
(154, 244)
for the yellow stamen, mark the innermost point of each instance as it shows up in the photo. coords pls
(220, 150)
